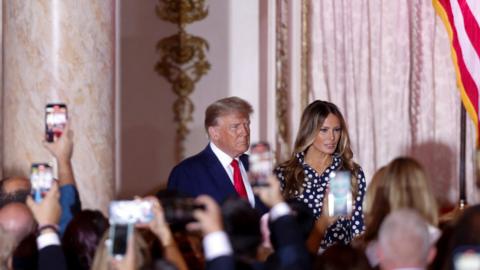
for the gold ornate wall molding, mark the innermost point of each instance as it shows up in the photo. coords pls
(285, 69)
(282, 81)
(182, 60)
(305, 69)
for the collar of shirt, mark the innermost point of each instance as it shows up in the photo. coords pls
(223, 157)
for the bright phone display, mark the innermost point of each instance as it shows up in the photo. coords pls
(41, 178)
(55, 121)
(134, 211)
(340, 194)
(261, 164)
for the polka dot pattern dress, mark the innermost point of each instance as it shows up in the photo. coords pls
(314, 188)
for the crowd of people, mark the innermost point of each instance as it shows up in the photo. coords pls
(226, 222)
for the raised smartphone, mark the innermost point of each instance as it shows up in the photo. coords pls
(340, 194)
(133, 211)
(41, 179)
(260, 164)
(55, 121)
(118, 239)
(179, 211)
(467, 257)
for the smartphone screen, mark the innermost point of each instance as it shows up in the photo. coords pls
(133, 211)
(55, 121)
(41, 179)
(118, 235)
(340, 194)
(467, 257)
(260, 163)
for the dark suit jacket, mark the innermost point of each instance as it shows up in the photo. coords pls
(290, 254)
(51, 257)
(204, 174)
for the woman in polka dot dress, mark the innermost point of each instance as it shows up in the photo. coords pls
(322, 147)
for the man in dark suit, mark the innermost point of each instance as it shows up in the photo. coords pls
(220, 170)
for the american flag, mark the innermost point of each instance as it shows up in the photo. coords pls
(462, 19)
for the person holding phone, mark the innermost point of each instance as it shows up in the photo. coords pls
(47, 214)
(322, 148)
(62, 149)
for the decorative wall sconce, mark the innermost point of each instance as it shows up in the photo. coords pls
(182, 60)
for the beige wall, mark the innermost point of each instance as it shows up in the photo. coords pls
(147, 128)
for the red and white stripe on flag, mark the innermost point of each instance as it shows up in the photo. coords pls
(462, 20)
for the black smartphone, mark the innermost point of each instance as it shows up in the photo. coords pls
(260, 164)
(340, 202)
(41, 179)
(179, 211)
(55, 120)
(118, 235)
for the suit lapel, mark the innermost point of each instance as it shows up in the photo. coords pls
(218, 174)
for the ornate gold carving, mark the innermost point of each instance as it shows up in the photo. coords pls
(282, 81)
(182, 12)
(305, 54)
(183, 62)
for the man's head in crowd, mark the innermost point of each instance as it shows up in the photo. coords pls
(227, 122)
(14, 189)
(404, 241)
(17, 219)
(6, 248)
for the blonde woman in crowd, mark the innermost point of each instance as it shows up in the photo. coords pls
(403, 184)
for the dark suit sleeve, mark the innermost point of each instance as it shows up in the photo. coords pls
(51, 257)
(291, 252)
(179, 181)
(173, 179)
(221, 263)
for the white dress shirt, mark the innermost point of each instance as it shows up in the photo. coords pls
(216, 244)
(225, 160)
(47, 239)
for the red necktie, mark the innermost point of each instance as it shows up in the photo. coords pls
(238, 181)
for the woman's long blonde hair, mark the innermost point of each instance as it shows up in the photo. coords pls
(407, 186)
(312, 120)
(404, 184)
